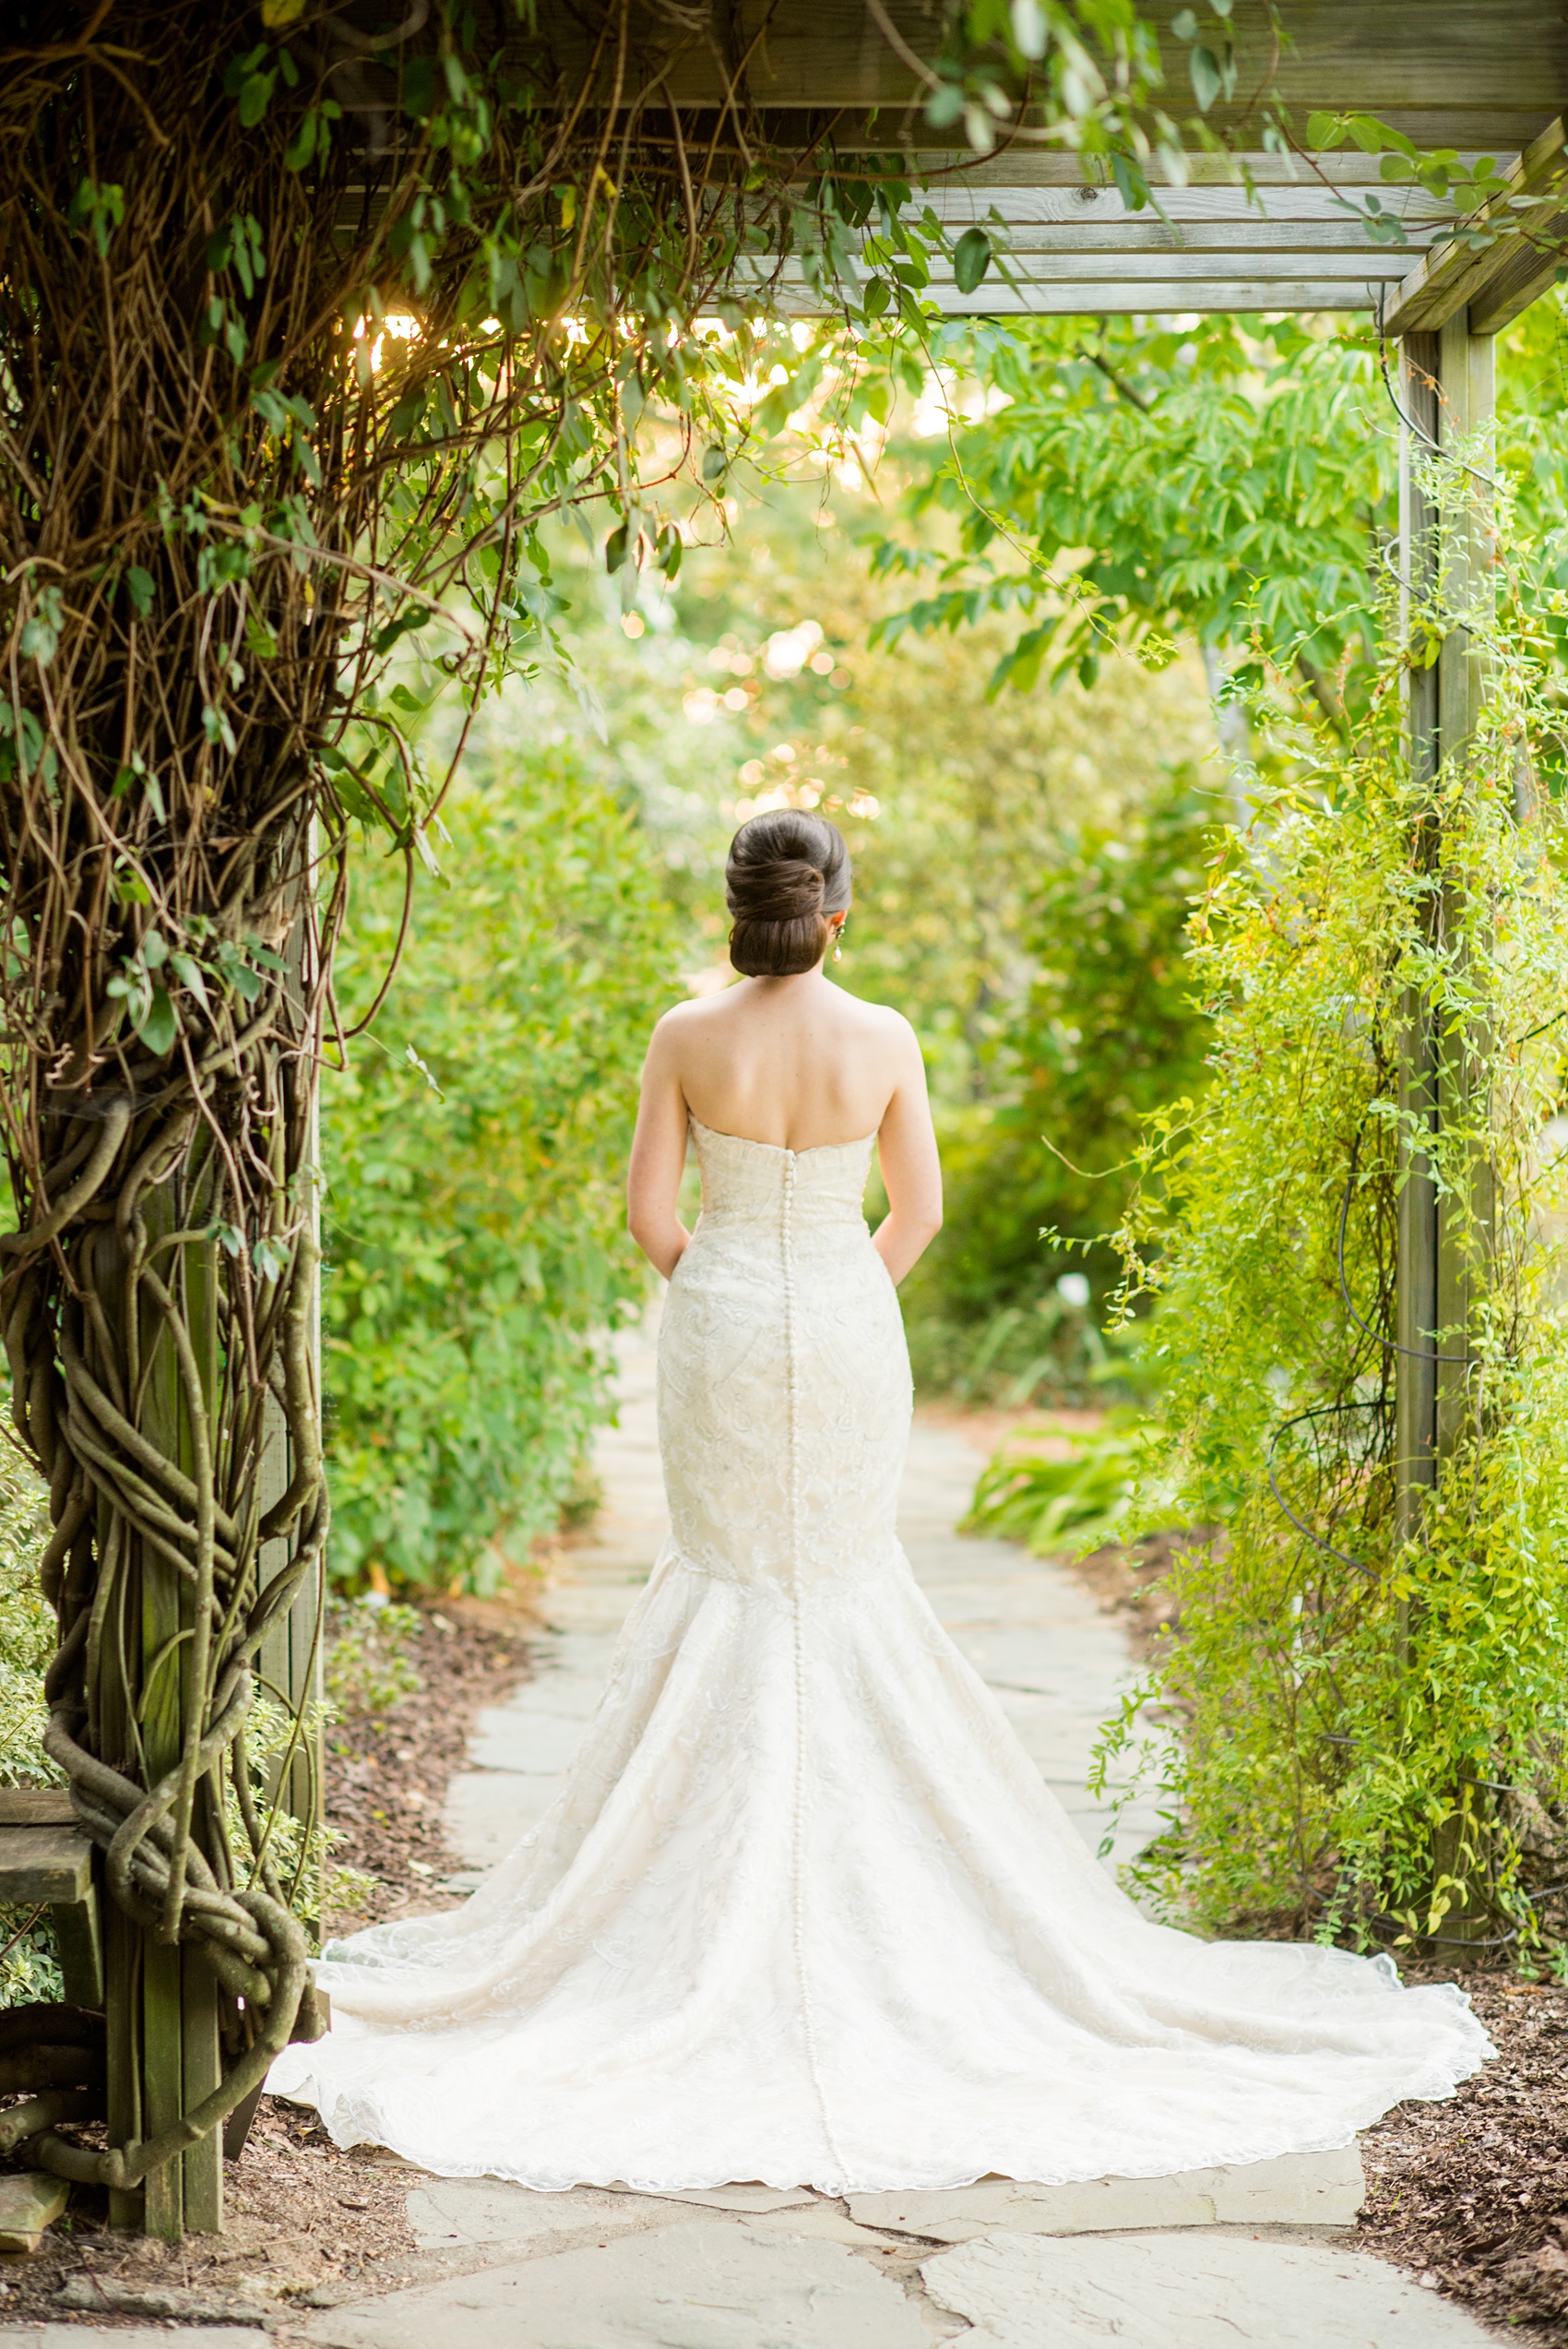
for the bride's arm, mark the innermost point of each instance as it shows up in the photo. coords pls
(911, 1171)
(658, 1158)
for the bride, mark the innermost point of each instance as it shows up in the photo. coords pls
(803, 1911)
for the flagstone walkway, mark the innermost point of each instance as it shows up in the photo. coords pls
(1257, 2256)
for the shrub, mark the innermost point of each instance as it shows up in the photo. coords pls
(1376, 1728)
(474, 1151)
(29, 1967)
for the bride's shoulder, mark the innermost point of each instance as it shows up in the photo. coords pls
(880, 1018)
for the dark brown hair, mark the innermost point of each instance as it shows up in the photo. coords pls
(786, 872)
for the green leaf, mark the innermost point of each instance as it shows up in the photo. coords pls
(972, 258)
(1207, 81)
(406, 622)
(1184, 25)
(255, 96)
(141, 588)
(301, 146)
(410, 411)
(160, 1023)
(189, 973)
(715, 462)
(615, 550)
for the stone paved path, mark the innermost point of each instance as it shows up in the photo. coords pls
(1256, 2255)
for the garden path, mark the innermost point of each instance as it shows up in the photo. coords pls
(1250, 2257)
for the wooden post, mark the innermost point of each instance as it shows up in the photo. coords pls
(161, 2004)
(1446, 382)
(1446, 393)
(1416, 1313)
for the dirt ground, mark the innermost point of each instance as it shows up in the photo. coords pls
(386, 1772)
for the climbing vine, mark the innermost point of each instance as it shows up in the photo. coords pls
(1365, 1727)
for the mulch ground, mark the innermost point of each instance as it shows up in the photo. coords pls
(305, 2224)
(1473, 2194)
(386, 1772)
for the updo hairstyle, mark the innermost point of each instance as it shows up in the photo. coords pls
(788, 870)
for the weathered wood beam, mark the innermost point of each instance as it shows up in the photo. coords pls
(1302, 203)
(1152, 297)
(1328, 243)
(1495, 281)
(1446, 72)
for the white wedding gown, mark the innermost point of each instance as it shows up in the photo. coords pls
(804, 1911)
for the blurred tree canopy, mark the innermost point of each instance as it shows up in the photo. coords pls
(1130, 482)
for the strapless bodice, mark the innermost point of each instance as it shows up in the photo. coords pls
(747, 1182)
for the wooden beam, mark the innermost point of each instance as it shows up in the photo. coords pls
(1263, 242)
(1527, 270)
(44, 1864)
(1157, 296)
(1302, 203)
(1456, 275)
(1448, 73)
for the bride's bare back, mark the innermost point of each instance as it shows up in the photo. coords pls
(796, 1063)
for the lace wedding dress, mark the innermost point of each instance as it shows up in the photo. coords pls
(803, 1911)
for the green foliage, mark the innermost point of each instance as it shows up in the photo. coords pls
(474, 1151)
(27, 1625)
(1108, 1032)
(1134, 482)
(1124, 481)
(367, 1667)
(1350, 1700)
(298, 1849)
(29, 1967)
(1074, 1496)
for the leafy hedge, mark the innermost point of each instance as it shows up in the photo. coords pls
(474, 1154)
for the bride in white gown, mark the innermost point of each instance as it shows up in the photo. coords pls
(803, 1911)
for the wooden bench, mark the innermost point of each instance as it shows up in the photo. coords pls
(45, 1860)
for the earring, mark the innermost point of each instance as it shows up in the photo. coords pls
(838, 942)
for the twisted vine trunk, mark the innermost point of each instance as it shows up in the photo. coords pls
(169, 670)
(159, 1312)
